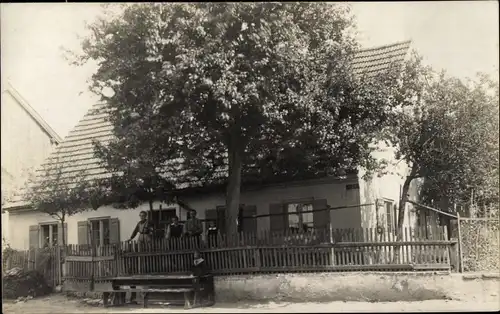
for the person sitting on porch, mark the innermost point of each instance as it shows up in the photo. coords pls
(174, 229)
(193, 227)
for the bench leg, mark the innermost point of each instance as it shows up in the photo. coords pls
(145, 297)
(105, 297)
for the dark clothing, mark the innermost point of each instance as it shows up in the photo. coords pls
(212, 234)
(145, 231)
(199, 267)
(174, 231)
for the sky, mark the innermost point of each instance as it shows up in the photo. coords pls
(460, 37)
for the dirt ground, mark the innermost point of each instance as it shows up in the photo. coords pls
(61, 304)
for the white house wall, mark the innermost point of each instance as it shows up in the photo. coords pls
(334, 192)
(386, 187)
(24, 143)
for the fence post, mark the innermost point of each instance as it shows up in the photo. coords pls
(332, 252)
(460, 253)
(454, 255)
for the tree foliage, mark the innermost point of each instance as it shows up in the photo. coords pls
(60, 194)
(449, 138)
(225, 93)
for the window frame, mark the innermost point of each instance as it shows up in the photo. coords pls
(302, 201)
(101, 229)
(390, 214)
(51, 234)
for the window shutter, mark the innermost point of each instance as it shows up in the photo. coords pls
(249, 224)
(221, 218)
(83, 232)
(59, 234)
(321, 218)
(277, 222)
(114, 231)
(34, 237)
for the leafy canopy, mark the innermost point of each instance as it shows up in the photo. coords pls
(207, 93)
(60, 194)
(450, 138)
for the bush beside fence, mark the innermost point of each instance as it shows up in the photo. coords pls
(46, 261)
(480, 243)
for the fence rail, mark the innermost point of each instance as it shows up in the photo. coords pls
(321, 250)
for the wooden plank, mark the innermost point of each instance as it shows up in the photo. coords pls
(89, 258)
(423, 267)
(155, 277)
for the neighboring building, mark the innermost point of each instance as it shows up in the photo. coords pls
(27, 140)
(109, 225)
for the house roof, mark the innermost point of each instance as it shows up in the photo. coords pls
(32, 112)
(371, 61)
(76, 151)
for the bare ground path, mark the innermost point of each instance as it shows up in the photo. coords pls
(61, 304)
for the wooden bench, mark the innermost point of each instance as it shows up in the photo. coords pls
(197, 291)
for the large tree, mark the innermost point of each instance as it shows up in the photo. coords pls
(217, 93)
(449, 138)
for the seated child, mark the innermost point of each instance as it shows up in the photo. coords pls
(199, 267)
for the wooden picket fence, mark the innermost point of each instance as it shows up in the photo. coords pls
(366, 249)
(46, 261)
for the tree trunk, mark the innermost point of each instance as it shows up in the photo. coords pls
(233, 192)
(62, 251)
(403, 201)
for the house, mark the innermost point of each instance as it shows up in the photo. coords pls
(26, 141)
(109, 225)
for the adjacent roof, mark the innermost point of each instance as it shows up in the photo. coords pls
(32, 112)
(76, 151)
(371, 61)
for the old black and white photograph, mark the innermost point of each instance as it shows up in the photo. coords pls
(258, 157)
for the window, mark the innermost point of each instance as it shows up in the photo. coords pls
(300, 216)
(49, 235)
(99, 231)
(390, 215)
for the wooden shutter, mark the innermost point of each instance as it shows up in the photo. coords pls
(60, 234)
(277, 222)
(83, 232)
(221, 218)
(34, 237)
(114, 231)
(321, 218)
(249, 225)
